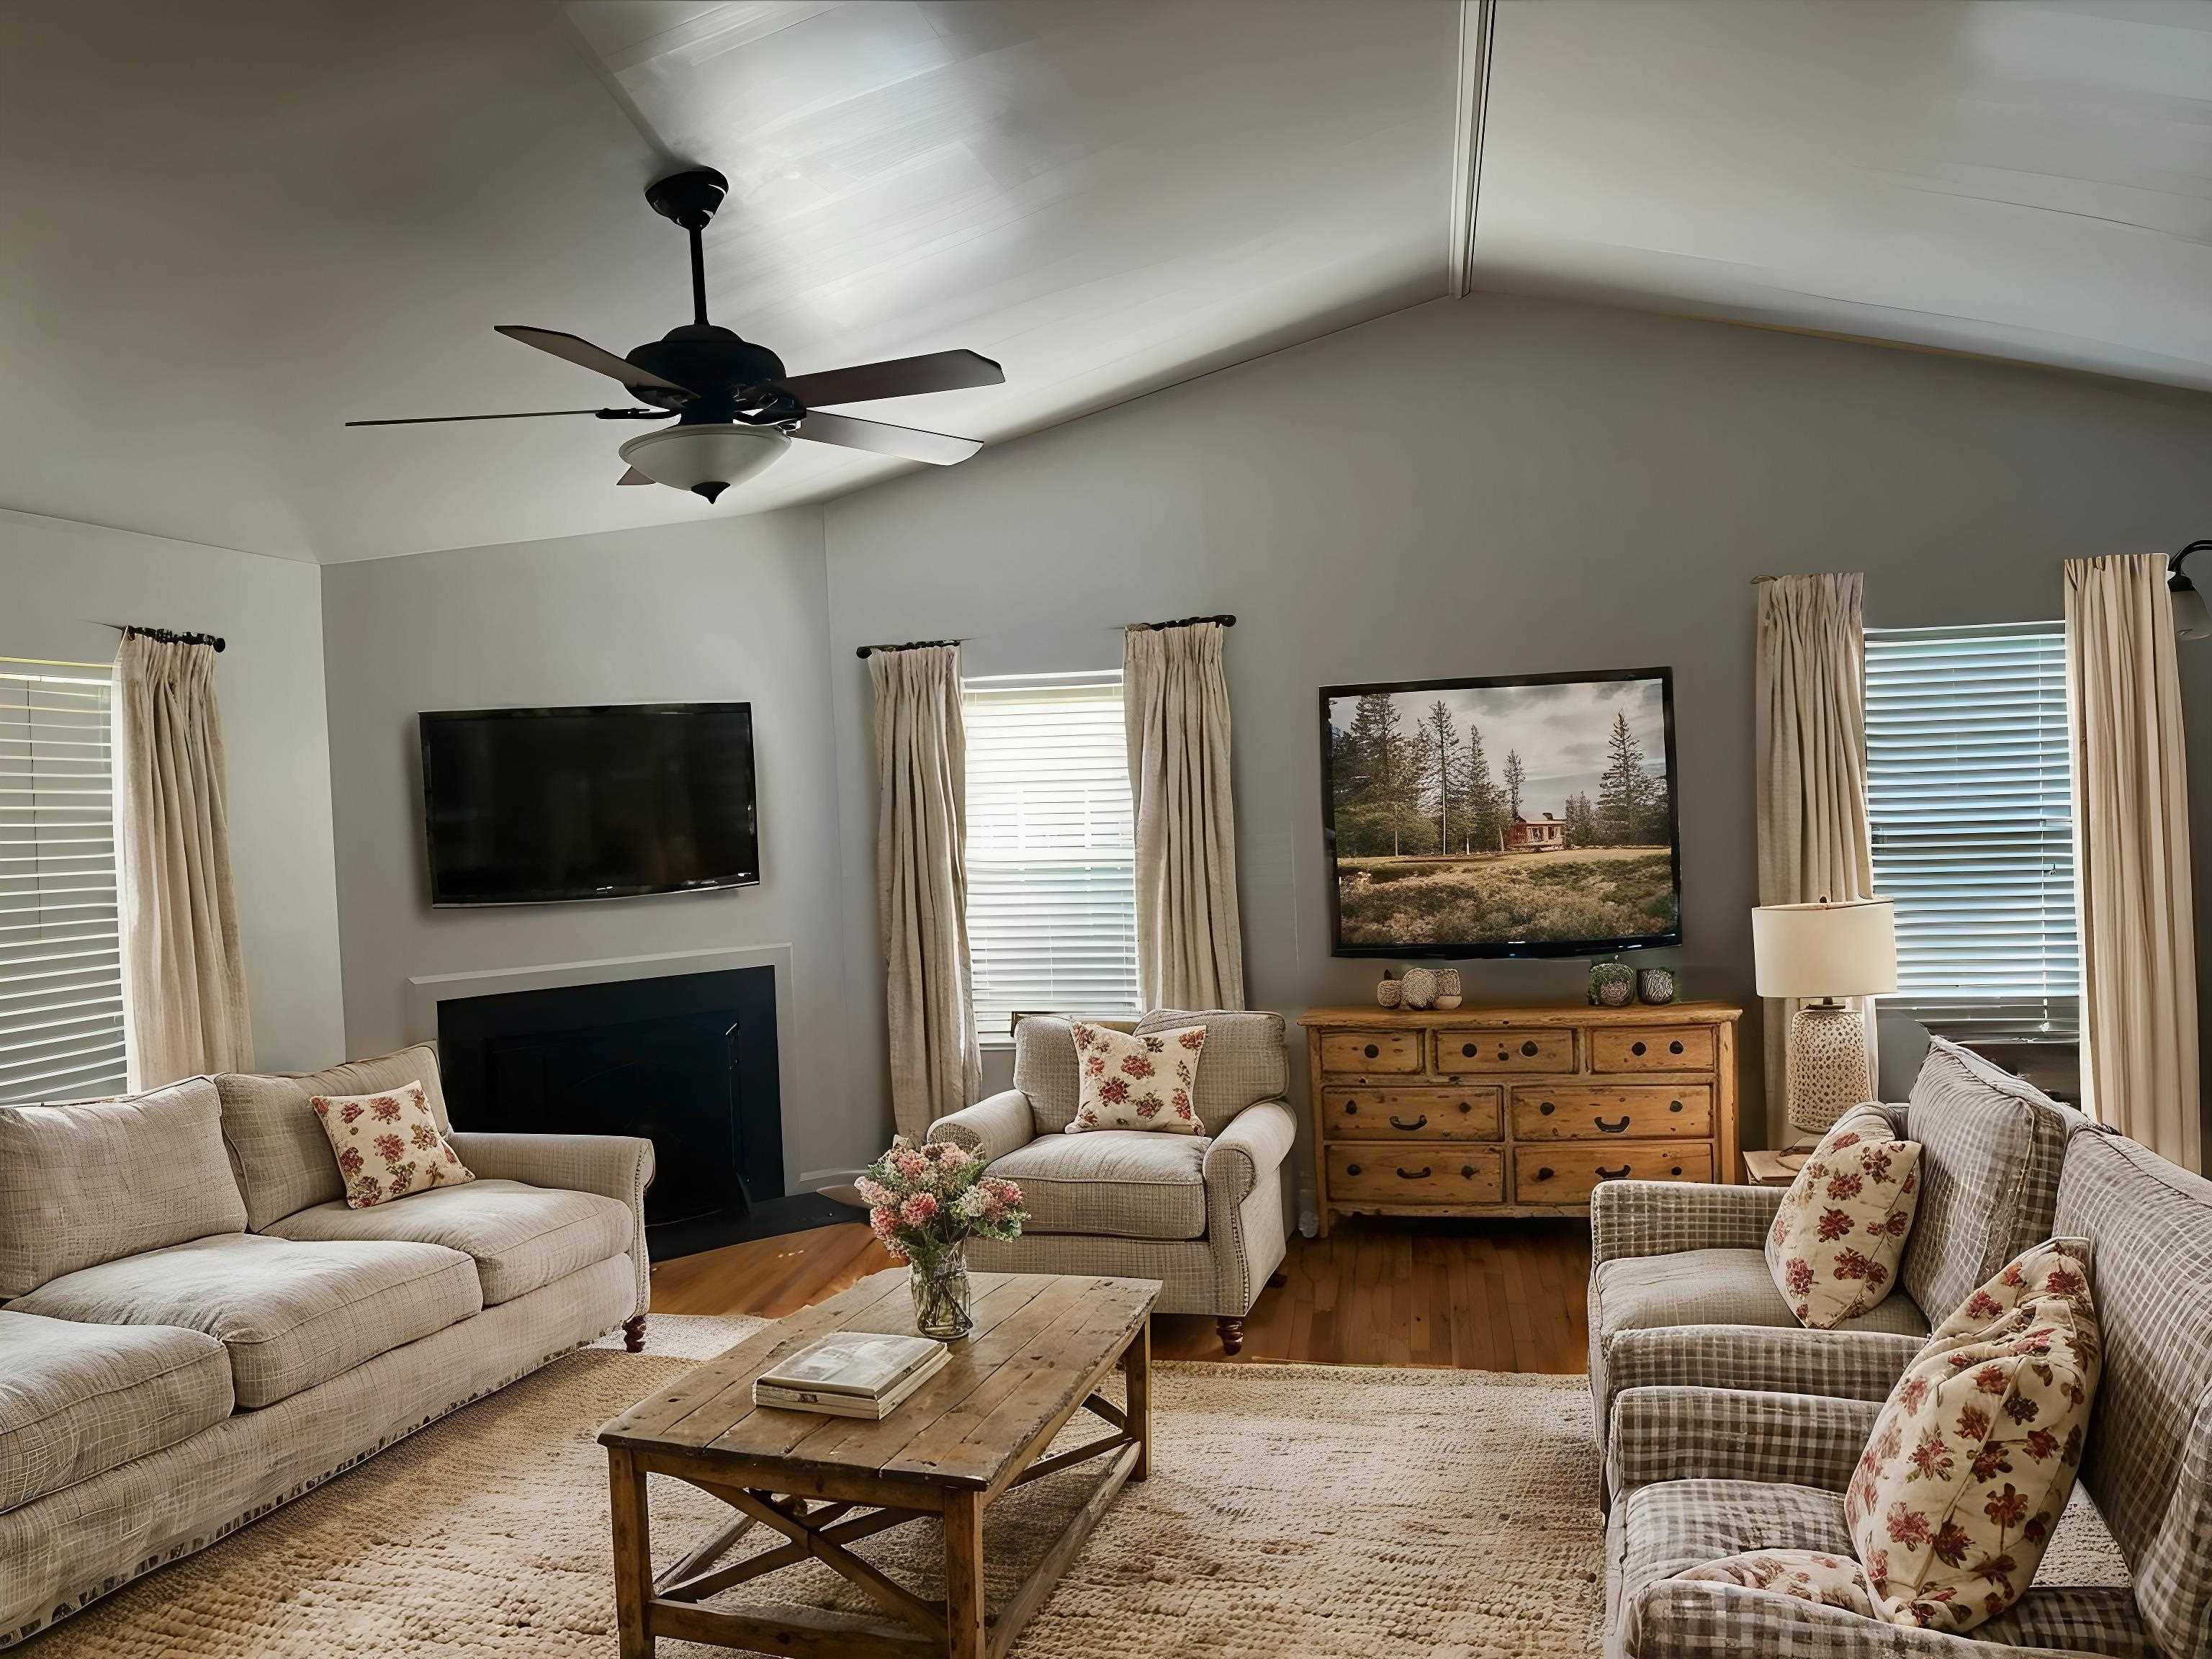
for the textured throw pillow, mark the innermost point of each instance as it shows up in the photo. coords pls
(1974, 1455)
(387, 1144)
(1834, 1246)
(1136, 1082)
(1833, 1581)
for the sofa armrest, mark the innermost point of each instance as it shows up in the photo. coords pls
(1686, 1619)
(613, 1166)
(1251, 1149)
(1730, 1434)
(994, 1126)
(1832, 1365)
(1659, 1218)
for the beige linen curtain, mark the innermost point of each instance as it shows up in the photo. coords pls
(1813, 841)
(2131, 856)
(184, 975)
(1175, 696)
(921, 883)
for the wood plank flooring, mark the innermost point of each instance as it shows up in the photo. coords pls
(1501, 1295)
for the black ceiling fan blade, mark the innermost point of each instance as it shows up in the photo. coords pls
(525, 415)
(898, 377)
(585, 355)
(909, 443)
(633, 477)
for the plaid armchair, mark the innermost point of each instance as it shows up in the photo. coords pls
(1703, 1473)
(1202, 1213)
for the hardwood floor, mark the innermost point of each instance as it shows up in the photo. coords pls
(1501, 1295)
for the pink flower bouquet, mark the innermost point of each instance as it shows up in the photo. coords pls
(925, 1201)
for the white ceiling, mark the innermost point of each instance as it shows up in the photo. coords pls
(230, 226)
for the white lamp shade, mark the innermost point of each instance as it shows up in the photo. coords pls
(1840, 949)
(686, 457)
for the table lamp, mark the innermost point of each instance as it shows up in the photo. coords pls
(1817, 953)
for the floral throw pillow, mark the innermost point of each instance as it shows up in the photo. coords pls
(1974, 1455)
(1833, 1581)
(1836, 1241)
(388, 1145)
(1136, 1082)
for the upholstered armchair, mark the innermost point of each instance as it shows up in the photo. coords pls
(1202, 1213)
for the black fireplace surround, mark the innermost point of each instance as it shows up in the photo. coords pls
(688, 1060)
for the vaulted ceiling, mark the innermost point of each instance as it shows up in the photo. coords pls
(233, 224)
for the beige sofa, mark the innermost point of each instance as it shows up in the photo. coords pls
(194, 1328)
(1202, 1213)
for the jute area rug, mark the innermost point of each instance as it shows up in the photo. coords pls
(1294, 1512)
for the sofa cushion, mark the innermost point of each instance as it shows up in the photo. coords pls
(1124, 1183)
(1991, 1148)
(519, 1236)
(387, 1144)
(1244, 1059)
(84, 1184)
(1045, 1070)
(1835, 1241)
(1141, 1083)
(77, 1400)
(1717, 1287)
(290, 1314)
(276, 1144)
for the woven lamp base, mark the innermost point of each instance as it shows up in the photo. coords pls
(1829, 1069)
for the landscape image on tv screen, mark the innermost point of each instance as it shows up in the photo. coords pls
(1530, 817)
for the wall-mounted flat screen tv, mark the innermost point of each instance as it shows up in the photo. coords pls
(530, 806)
(1502, 817)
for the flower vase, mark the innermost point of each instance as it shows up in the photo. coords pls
(942, 1300)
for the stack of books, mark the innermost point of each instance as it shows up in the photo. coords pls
(851, 1374)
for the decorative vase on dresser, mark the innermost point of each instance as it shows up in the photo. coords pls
(1516, 1110)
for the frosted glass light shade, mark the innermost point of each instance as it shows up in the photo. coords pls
(706, 459)
(1836, 949)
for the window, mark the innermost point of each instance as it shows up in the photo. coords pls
(1969, 786)
(1052, 891)
(61, 977)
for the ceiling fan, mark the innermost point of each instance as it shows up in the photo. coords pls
(736, 410)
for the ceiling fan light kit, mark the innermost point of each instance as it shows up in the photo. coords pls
(735, 409)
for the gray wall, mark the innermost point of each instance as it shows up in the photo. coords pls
(729, 608)
(1500, 486)
(60, 581)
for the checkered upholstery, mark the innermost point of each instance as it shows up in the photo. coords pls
(1853, 1365)
(1659, 1217)
(1675, 1434)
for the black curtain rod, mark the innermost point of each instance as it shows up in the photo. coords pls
(1181, 621)
(867, 651)
(166, 636)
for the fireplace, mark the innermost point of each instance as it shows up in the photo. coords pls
(688, 1060)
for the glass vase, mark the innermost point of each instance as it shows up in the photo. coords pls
(941, 1297)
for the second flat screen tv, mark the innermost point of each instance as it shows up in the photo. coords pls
(1502, 817)
(529, 805)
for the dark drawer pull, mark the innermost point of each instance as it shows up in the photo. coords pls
(1604, 1174)
(1544, 1172)
(1421, 1174)
(1674, 1048)
(1677, 1169)
(1674, 1105)
(1466, 1172)
(1633, 1049)
(1372, 1051)
(1546, 1108)
(1351, 1106)
(1529, 1049)
(1466, 1106)
(1468, 1049)
(1605, 1129)
(1352, 1169)
(1397, 1122)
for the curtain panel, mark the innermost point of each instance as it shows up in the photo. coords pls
(2132, 882)
(1175, 690)
(921, 883)
(184, 973)
(1813, 837)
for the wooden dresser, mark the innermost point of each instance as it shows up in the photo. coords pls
(1516, 1110)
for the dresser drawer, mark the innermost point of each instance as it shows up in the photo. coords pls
(1414, 1174)
(1567, 1174)
(1653, 1049)
(1371, 1051)
(1573, 1110)
(1488, 1053)
(1352, 1113)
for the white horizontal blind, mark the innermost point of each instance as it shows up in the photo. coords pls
(1969, 786)
(1052, 900)
(61, 985)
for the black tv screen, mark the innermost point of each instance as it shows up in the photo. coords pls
(1527, 817)
(528, 805)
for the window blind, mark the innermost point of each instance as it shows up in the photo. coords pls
(1969, 788)
(1052, 901)
(61, 982)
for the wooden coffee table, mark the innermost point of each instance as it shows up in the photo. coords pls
(1041, 1346)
